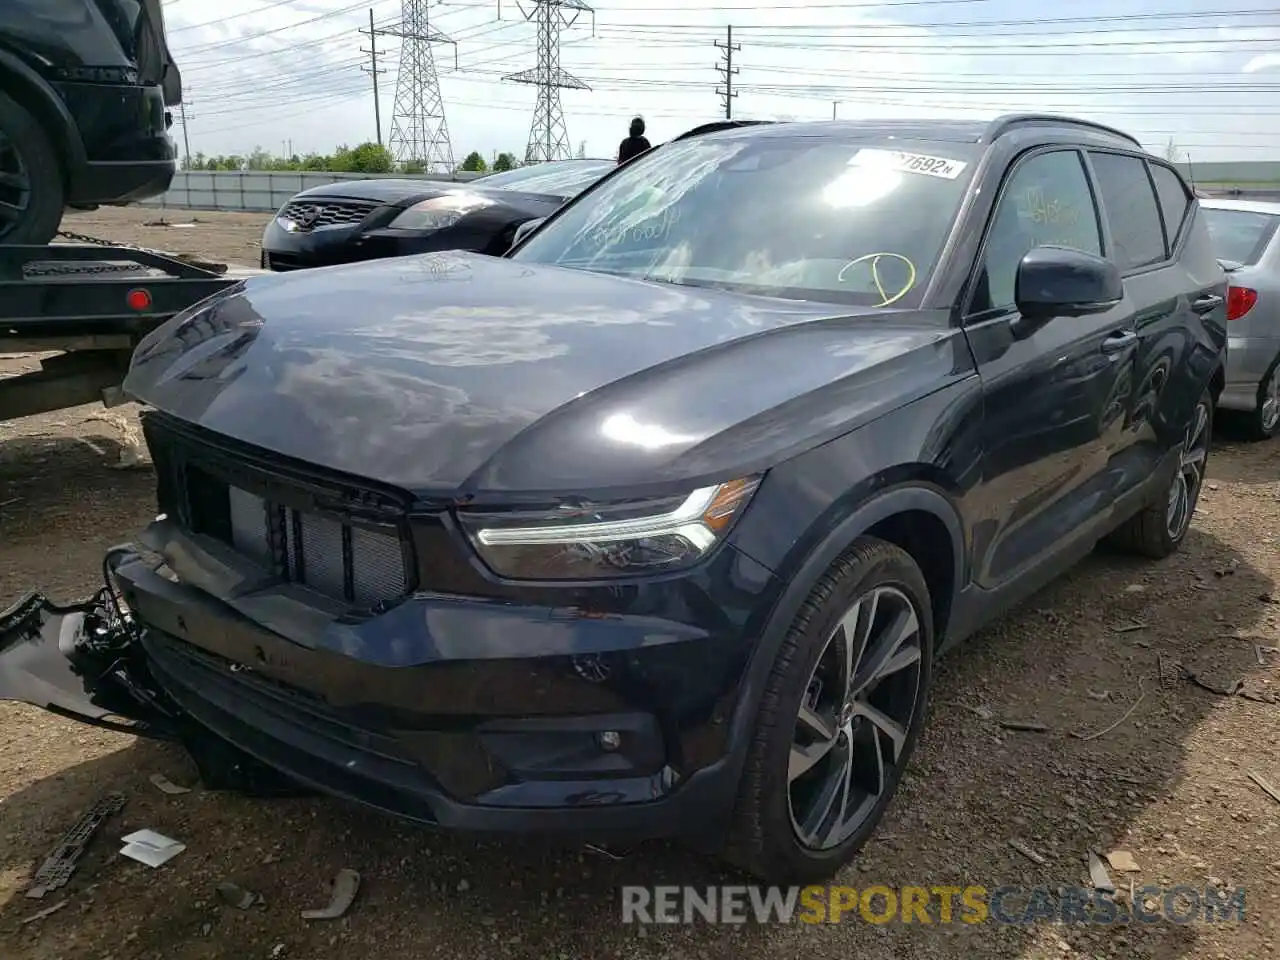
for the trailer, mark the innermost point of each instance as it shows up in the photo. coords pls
(84, 306)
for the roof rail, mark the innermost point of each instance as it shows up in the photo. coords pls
(715, 125)
(1007, 122)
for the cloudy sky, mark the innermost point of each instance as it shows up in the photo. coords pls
(287, 73)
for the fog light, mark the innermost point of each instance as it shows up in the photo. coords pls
(609, 739)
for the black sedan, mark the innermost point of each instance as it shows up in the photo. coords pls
(367, 219)
(656, 524)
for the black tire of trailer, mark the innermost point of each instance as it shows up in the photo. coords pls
(39, 223)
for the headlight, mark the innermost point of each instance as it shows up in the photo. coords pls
(608, 540)
(438, 212)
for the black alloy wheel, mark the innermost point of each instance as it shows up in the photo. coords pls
(841, 711)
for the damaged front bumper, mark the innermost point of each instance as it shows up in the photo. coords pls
(153, 655)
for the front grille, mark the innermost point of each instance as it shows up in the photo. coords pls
(310, 214)
(360, 565)
(344, 542)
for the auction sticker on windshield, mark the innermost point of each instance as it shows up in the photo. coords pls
(896, 160)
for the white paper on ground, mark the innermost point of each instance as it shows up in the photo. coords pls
(151, 848)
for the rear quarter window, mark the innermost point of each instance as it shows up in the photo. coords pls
(1131, 208)
(1174, 200)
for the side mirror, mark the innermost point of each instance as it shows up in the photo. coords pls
(524, 230)
(1062, 282)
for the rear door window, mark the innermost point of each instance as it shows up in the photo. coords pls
(1174, 201)
(1131, 208)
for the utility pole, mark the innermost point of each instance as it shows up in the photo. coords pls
(186, 139)
(373, 71)
(834, 104)
(548, 134)
(727, 70)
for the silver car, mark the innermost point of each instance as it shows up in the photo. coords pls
(1244, 239)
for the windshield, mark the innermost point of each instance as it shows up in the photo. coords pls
(558, 180)
(1240, 235)
(799, 218)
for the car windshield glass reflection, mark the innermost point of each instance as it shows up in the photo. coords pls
(799, 218)
(553, 179)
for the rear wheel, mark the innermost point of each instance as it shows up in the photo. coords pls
(1159, 529)
(1265, 418)
(31, 189)
(840, 715)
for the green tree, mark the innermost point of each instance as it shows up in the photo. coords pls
(474, 163)
(504, 162)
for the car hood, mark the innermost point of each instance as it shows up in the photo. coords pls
(388, 190)
(460, 374)
(402, 193)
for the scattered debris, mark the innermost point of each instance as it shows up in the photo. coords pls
(153, 849)
(168, 786)
(1129, 627)
(1226, 571)
(1098, 875)
(1259, 650)
(603, 852)
(1027, 852)
(1222, 690)
(277, 951)
(10, 502)
(1266, 598)
(1027, 726)
(1136, 588)
(1098, 694)
(345, 886)
(46, 912)
(58, 867)
(1265, 786)
(1169, 671)
(1123, 717)
(237, 896)
(1122, 861)
(982, 713)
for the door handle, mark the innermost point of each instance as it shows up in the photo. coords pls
(1207, 303)
(1120, 341)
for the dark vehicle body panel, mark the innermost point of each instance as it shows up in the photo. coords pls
(996, 452)
(100, 79)
(488, 229)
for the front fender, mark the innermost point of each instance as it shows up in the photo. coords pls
(919, 497)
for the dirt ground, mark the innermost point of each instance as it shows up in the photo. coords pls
(1169, 783)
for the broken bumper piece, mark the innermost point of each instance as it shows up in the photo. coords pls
(80, 661)
(85, 661)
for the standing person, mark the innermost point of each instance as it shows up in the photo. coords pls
(635, 144)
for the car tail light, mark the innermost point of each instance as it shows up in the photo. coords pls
(1240, 300)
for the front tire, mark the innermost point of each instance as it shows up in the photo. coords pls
(1159, 529)
(31, 188)
(841, 712)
